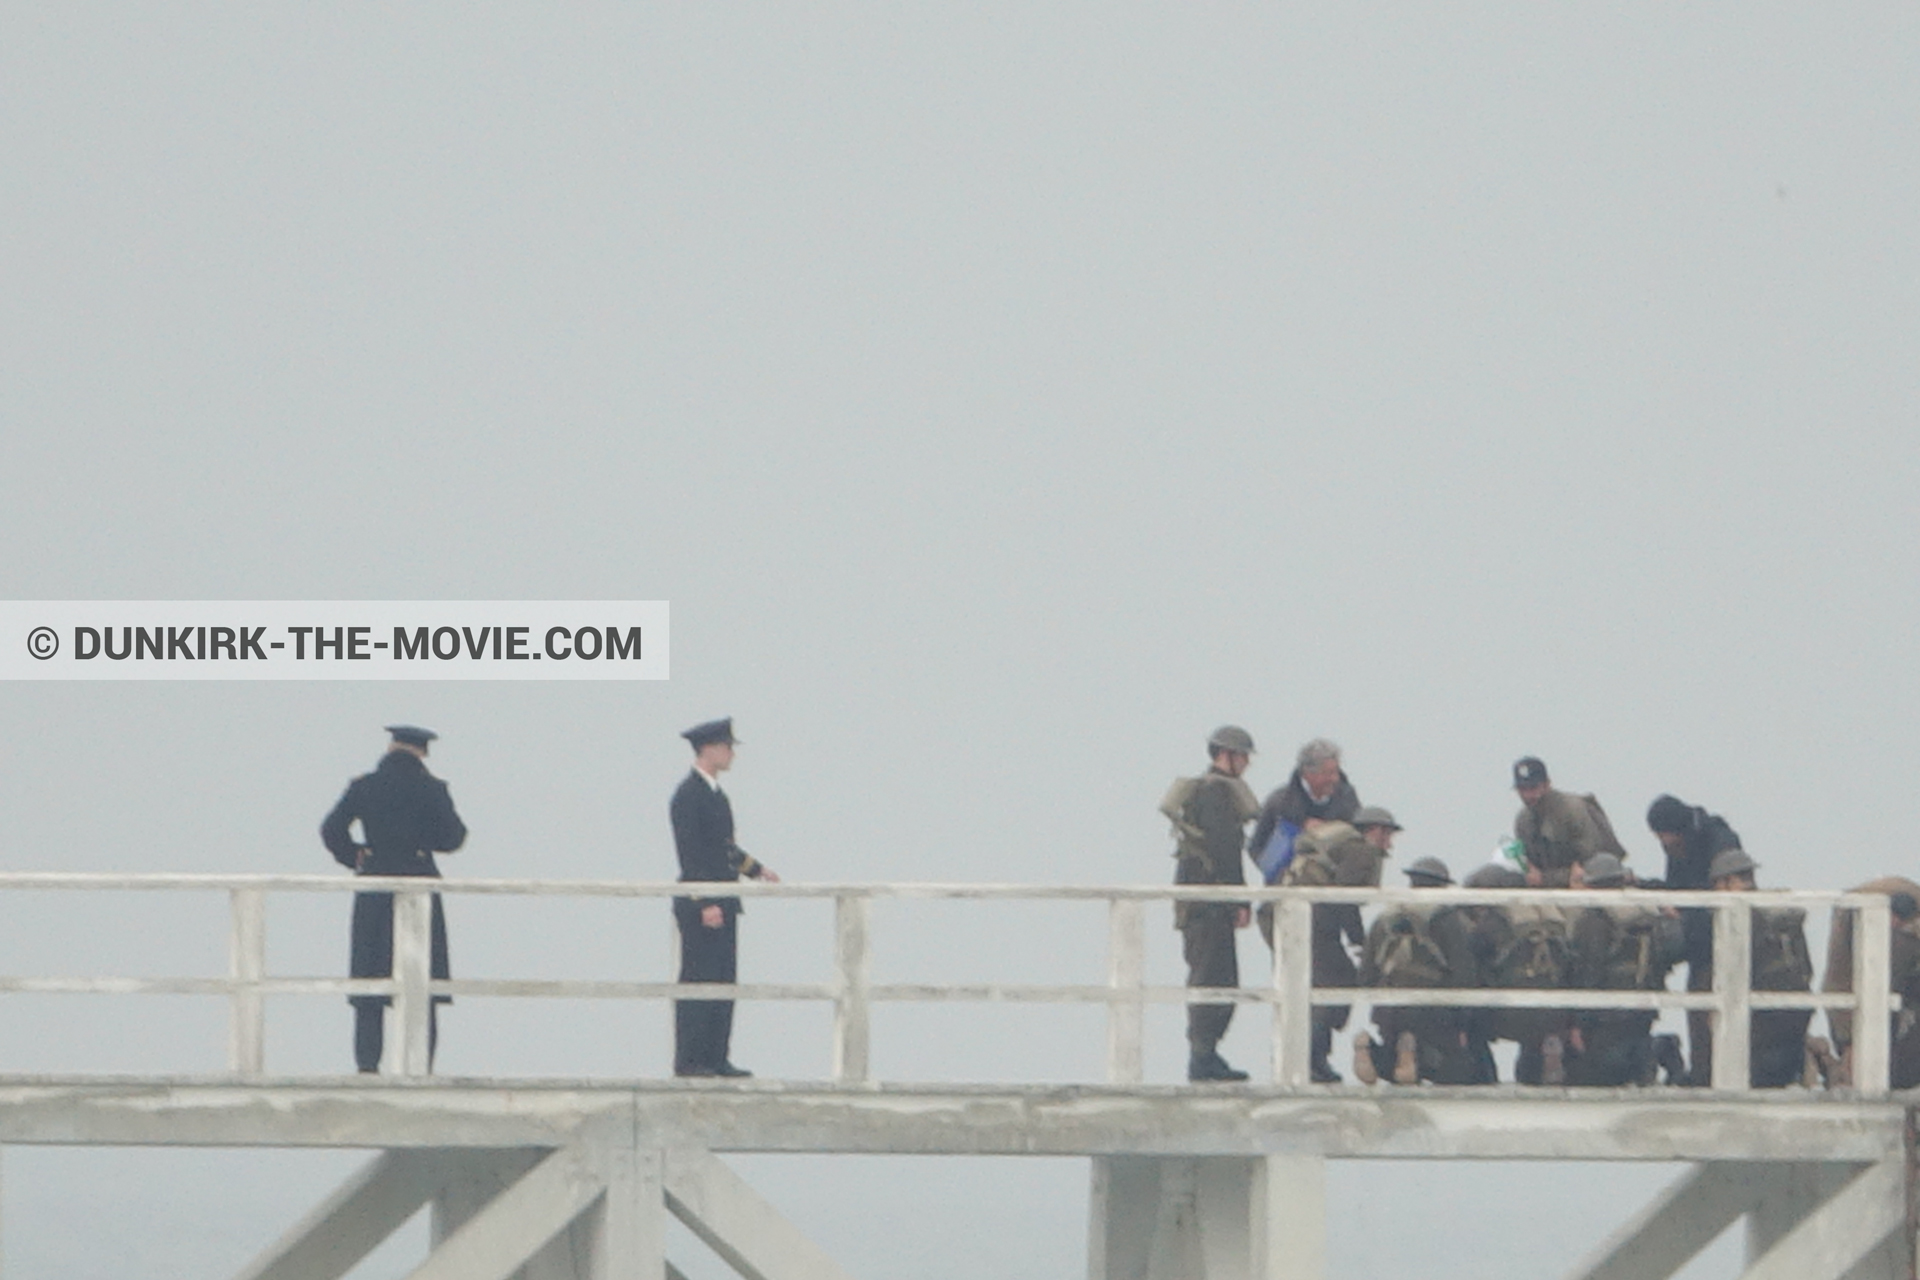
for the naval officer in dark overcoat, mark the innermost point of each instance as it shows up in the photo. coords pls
(703, 838)
(406, 815)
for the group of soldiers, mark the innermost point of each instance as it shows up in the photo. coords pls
(1313, 831)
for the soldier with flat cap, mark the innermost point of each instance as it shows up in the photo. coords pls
(1558, 829)
(709, 944)
(406, 815)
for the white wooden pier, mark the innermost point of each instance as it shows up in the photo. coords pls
(553, 1179)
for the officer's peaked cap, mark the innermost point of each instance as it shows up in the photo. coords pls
(412, 734)
(712, 731)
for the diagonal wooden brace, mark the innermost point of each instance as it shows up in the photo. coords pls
(351, 1223)
(498, 1240)
(718, 1206)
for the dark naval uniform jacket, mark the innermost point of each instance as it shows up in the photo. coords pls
(406, 815)
(703, 838)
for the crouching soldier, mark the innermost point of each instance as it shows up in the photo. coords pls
(1420, 946)
(1778, 1037)
(1347, 856)
(1628, 948)
(1903, 980)
(1524, 947)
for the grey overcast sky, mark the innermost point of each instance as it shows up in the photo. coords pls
(1003, 396)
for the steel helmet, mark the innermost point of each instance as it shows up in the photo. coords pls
(1231, 737)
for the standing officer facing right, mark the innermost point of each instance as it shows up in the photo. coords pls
(406, 815)
(709, 945)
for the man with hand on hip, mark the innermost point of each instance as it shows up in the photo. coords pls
(709, 944)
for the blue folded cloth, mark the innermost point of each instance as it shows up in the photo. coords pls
(1274, 859)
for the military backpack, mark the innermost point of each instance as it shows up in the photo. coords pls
(1609, 842)
(1173, 807)
(1316, 855)
(1403, 953)
(1537, 954)
(1781, 961)
(1634, 960)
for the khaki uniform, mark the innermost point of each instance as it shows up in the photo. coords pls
(1209, 817)
(1620, 949)
(1332, 854)
(1444, 1047)
(1525, 947)
(1559, 831)
(1777, 1038)
(1904, 979)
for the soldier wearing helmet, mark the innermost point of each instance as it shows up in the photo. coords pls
(1344, 855)
(1209, 816)
(1624, 948)
(1903, 980)
(1779, 1054)
(1519, 947)
(1420, 946)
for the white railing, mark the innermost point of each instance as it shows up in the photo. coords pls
(1125, 994)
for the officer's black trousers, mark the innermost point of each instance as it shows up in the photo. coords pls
(1213, 960)
(703, 1028)
(1700, 1027)
(369, 1038)
(371, 956)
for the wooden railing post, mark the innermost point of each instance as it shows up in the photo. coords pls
(1732, 984)
(850, 1005)
(247, 965)
(412, 969)
(1293, 980)
(1126, 978)
(1872, 1013)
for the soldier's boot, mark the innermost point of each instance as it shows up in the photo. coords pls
(1319, 1070)
(1363, 1069)
(1666, 1056)
(1406, 1059)
(1210, 1067)
(1553, 1061)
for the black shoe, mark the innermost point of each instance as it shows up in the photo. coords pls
(1322, 1073)
(1211, 1067)
(692, 1071)
(731, 1072)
